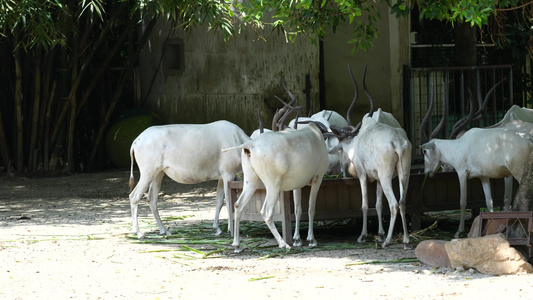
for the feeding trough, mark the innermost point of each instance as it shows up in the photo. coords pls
(442, 192)
(336, 199)
(341, 199)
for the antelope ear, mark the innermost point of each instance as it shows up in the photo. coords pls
(427, 145)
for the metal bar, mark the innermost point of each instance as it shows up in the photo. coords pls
(479, 93)
(507, 215)
(486, 218)
(450, 84)
(462, 95)
(428, 86)
(446, 100)
(463, 68)
(419, 104)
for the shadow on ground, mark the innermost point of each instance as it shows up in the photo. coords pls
(93, 198)
(88, 198)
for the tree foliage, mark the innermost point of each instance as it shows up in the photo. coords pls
(314, 18)
(64, 64)
(475, 12)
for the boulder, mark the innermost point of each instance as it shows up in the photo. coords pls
(433, 253)
(489, 254)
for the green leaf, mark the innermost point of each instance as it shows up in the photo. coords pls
(395, 261)
(261, 278)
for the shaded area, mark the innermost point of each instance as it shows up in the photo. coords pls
(89, 198)
(93, 198)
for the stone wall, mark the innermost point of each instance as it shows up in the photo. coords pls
(231, 80)
(217, 79)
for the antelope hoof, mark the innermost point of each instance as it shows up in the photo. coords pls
(313, 243)
(217, 231)
(165, 232)
(362, 239)
(297, 243)
(237, 247)
(141, 235)
(283, 245)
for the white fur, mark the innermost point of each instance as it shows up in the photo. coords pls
(188, 154)
(516, 113)
(482, 153)
(328, 118)
(520, 119)
(282, 161)
(381, 151)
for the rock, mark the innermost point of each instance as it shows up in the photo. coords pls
(493, 227)
(433, 253)
(489, 254)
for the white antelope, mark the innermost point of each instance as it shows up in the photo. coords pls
(325, 119)
(282, 161)
(516, 118)
(379, 151)
(482, 153)
(328, 118)
(189, 154)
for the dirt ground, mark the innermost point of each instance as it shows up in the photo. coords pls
(70, 237)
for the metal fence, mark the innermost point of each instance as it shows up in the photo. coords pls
(455, 86)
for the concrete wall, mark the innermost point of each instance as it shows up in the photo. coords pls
(226, 80)
(231, 80)
(385, 68)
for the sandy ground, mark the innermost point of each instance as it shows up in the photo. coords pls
(69, 237)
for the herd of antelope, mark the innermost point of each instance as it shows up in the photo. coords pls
(286, 158)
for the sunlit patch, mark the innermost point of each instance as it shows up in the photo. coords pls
(351, 152)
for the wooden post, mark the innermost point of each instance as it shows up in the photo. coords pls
(286, 223)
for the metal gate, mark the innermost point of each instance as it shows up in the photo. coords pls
(455, 86)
